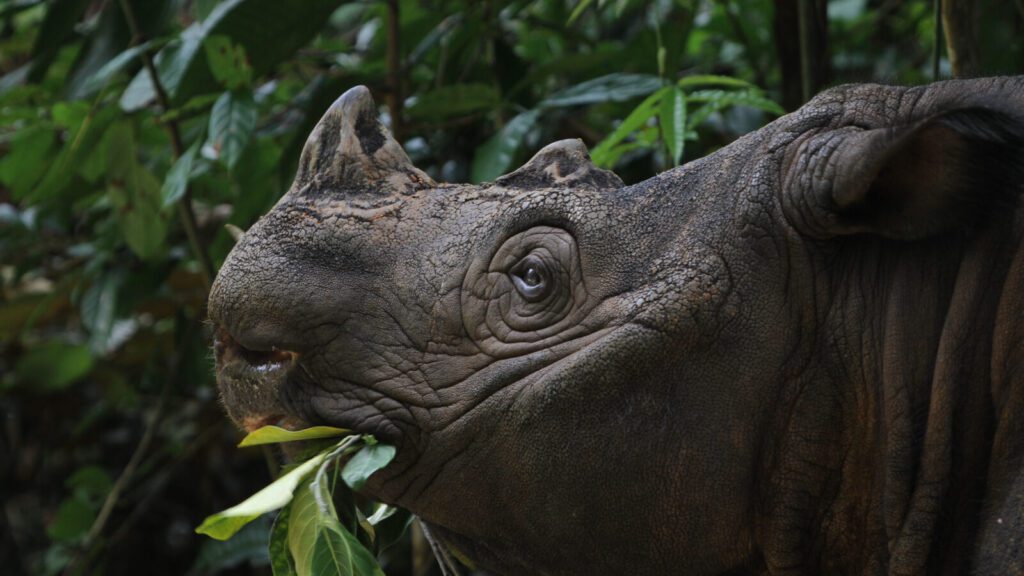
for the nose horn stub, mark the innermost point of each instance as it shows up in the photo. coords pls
(352, 153)
(565, 164)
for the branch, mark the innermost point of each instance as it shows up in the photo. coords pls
(158, 485)
(188, 217)
(123, 479)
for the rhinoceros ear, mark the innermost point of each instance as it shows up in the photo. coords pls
(351, 152)
(948, 171)
(563, 164)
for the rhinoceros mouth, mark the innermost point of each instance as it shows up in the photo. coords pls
(249, 381)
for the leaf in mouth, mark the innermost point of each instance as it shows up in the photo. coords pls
(224, 525)
(309, 536)
(277, 435)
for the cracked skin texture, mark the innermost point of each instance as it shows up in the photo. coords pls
(799, 355)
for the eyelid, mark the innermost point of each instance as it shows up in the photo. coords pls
(538, 291)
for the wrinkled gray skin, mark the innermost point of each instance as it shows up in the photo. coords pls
(802, 354)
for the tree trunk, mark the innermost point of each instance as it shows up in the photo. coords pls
(788, 33)
(960, 19)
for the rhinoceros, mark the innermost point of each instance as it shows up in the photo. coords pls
(802, 354)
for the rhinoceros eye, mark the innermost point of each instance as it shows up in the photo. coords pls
(531, 278)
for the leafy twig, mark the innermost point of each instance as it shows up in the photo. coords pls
(158, 485)
(188, 217)
(126, 475)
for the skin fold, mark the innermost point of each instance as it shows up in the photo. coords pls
(799, 355)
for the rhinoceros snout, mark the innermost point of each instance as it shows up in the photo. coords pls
(250, 382)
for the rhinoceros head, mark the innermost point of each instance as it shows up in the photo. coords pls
(734, 365)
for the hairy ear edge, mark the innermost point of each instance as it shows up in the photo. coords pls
(952, 171)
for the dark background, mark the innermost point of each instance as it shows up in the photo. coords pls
(115, 192)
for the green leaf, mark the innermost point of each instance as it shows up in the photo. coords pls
(27, 160)
(716, 100)
(85, 131)
(616, 87)
(141, 223)
(69, 115)
(495, 156)
(178, 176)
(389, 524)
(610, 156)
(144, 231)
(58, 27)
(194, 107)
(331, 553)
(712, 80)
(228, 62)
(97, 309)
(673, 122)
(440, 32)
(453, 100)
(268, 30)
(363, 561)
(601, 154)
(120, 143)
(102, 76)
(224, 524)
(171, 63)
(232, 121)
(90, 484)
(53, 366)
(318, 542)
(367, 461)
(275, 435)
(94, 160)
(303, 524)
(281, 563)
(73, 520)
(249, 546)
(580, 7)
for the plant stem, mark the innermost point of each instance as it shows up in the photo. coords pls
(124, 478)
(188, 217)
(157, 486)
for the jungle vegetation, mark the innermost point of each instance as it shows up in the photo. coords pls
(135, 135)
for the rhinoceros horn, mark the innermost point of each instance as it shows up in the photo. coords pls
(565, 164)
(350, 152)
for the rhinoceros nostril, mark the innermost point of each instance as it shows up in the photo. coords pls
(227, 349)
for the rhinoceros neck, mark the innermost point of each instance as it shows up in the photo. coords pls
(922, 337)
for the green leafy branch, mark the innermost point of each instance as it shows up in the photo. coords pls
(670, 104)
(184, 200)
(676, 124)
(310, 536)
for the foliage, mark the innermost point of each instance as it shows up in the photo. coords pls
(309, 537)
(118, 193)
